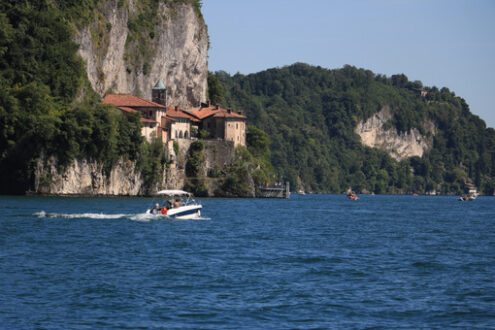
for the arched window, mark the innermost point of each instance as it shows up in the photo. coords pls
(176, 134)
(185, 135)
(180, 135)
(236, 126)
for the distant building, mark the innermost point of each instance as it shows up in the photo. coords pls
(159, 120)
(177, 123)
(159, 93)
(421, 92)
(151, 112)
(222, 123)
(168, 123)
(180, 125)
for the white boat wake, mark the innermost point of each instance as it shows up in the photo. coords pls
(144, 217)
(43, 214)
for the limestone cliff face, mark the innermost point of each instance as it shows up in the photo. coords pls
(87, 178)
(121, 60)
(83, 177)
(398, 146)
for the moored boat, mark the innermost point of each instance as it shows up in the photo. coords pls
(472, 192)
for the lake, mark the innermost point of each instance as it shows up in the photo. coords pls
(314, 261)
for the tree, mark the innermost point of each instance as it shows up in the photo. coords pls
(258, 142)
(215, 89)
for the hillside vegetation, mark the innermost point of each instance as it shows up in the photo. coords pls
(47, 106)
(310, 114)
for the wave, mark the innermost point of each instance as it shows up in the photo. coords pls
(144, 217)
(43, 214)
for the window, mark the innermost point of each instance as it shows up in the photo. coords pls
(185, 135)
(180, 135)
(176, 134)
(236, 126)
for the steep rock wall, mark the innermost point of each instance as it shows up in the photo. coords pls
(398, 146)
(87, 178)
(83, 177)
(175, 51)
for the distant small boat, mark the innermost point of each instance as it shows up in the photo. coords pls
(352, 196)
(301, 192)
(472, 193)
(468, 198)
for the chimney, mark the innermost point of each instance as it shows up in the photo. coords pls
(239, 112)
(209, 103)
(176, 108)
(229, 110)
(217, 106)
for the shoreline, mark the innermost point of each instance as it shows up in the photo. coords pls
(34, 194)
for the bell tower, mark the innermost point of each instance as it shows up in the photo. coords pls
(159, 93)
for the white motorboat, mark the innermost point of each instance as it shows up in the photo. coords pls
(176, 204)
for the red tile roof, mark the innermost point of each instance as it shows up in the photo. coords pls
(132, 101)
(205, 112)
(178, 113)
(146, 120)
(126, 109)
(168, 118)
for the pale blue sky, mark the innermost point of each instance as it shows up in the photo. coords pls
(440, 42)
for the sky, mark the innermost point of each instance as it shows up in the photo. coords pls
(447, 43)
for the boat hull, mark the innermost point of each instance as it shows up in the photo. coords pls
(183, 212)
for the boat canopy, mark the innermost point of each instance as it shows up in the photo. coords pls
(173, 193)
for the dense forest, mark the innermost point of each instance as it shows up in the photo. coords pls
(47, 107)
(310, 114)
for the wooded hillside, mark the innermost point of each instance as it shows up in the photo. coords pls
(310, 114)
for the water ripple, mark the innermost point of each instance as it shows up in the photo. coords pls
(314, 261)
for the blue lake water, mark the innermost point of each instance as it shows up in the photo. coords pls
(314, 261)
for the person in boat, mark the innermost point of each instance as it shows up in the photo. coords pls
(155, 209)
(176, 203)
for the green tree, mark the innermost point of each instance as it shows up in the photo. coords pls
(215, 89)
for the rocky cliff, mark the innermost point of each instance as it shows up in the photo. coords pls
(129, 46)
(86, 178)
(399, 146)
